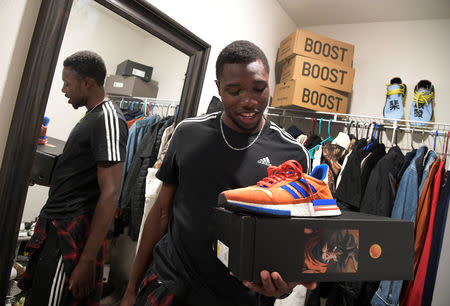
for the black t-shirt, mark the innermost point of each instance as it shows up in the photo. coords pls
(101, 135)
(201, 164)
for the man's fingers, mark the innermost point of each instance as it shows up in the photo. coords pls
(280, 284)
(267, 283)
(309, 285)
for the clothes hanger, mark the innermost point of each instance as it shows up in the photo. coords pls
(311, 151)
(394, 135)
(380, 134)
(368, 126)
(435, 138)
(329, 138)
(444, 158)
(372, 139)
(412, 140)
(311, 128)
(348, 125)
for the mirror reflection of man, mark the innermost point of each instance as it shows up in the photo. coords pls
(175, 264)
(68, 246)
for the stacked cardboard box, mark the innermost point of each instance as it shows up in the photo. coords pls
(132, 79)
(316, 73)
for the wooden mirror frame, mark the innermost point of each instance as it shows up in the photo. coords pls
(34, 89)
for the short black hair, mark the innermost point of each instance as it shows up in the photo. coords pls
(87, 64)
(240, 52)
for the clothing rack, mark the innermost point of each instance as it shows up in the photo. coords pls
(362, 121)
(438, 130)
(148, 104)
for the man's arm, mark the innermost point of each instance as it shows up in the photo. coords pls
(109, 174)
(154, 228)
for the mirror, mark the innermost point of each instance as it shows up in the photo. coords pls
(48, 49)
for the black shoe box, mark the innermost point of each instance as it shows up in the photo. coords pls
(130, 68)
(349, 247)
(45, 160)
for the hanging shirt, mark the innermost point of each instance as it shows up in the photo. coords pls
(415, 289)
(437, 239)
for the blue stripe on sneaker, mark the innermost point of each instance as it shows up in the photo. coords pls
(312, 187)
(299, 189)
(262, 209)
(292, 192)
(324, 202)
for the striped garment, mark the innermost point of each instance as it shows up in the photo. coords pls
(112, 131)
(72, 235)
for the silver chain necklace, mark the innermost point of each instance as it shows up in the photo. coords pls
(94, 107)
(230, 146)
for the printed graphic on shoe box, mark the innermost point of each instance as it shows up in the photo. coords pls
(130, 86)
(320, 72)
(331, 251)
(349, 247)
(316, 46)
(307, 94)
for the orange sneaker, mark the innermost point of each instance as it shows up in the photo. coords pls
(286, 191)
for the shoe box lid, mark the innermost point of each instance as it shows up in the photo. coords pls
(349, 247)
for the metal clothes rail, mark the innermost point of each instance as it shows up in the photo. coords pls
(431, 128)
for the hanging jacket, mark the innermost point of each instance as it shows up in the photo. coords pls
(132, 198)
(378, 199)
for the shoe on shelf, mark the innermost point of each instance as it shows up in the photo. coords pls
(285, 192)
(395, 94)
(422, 105)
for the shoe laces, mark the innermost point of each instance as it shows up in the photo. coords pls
(278, 174)
(285, 171)
(421, 97)
(395, 91)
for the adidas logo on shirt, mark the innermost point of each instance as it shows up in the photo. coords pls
(264, 161)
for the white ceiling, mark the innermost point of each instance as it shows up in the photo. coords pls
(325, 12)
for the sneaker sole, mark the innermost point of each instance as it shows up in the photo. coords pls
(320, 208)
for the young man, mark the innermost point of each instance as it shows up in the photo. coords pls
(67, 248)
(207, 155)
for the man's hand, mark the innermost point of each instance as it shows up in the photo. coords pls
(273, 285)
(82, 280)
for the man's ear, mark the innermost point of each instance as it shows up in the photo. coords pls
(90, 82)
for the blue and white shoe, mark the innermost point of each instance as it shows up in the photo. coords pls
(422, 105)
(395, 93)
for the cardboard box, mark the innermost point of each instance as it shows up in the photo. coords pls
(316, 46)
(130, 86)
(309, 95)
(350, 247)
(320, 72)
(130, 68)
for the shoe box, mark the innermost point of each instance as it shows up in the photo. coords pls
(130, 68)
(316, 46)
(319, 72)
(308, 94)
(321, 68)
(45, 160)
(130, 86)
(349, 247)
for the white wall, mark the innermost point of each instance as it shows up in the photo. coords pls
(218, 23)
(18, 19)
(411, 50)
